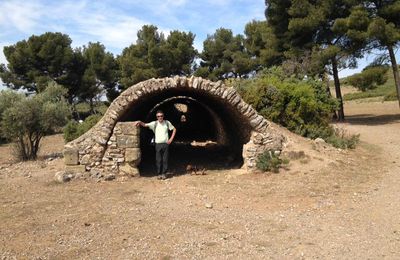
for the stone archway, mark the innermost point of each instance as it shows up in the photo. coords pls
(114, 143)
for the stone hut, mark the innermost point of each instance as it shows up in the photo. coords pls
(202, 110)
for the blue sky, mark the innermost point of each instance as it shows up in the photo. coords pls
(115, 23)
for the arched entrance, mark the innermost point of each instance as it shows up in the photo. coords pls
(216, 128)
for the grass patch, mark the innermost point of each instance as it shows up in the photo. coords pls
(387, 90)
(341, 139)
(269, 161)
(84, 107)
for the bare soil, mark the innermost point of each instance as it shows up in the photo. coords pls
(329, 204)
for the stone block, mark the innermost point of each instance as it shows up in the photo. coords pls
(71, 156)
(129, 170)
(128, 128)
(85, 159)
(127, 141)
(133, 155)
(74, 169)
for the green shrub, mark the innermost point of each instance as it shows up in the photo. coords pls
(386, 90)
(26, 120)
(269, 161)
(340, 139)
(369, 78)
(71, 131)
(392, 96)
(74, 129)
(302, 106)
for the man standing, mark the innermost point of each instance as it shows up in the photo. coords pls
(160, 128)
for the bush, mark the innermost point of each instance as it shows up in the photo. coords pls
(268, 161)
(341, 139)
(302, 106)
(74, 129)
(369, 78)
(25, 120)
(70, 131)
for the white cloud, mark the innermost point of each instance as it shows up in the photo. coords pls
(219, 2)
(20, 15)
(2, 57)
(81, 21)
(118, 33)
(115, 23)
(174, 2)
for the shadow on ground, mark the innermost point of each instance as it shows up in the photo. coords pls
(368, 119)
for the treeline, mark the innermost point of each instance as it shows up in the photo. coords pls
(307, 38)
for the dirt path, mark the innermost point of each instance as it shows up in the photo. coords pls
(379, 210)
(329, 205)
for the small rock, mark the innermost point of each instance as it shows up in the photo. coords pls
(96, 173)
(110, 177)
(209, 205)
(319, 141)
(62, 177)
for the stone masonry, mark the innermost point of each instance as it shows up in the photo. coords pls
(114, 147)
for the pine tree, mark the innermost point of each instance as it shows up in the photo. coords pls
(385, 30)
(323, 28)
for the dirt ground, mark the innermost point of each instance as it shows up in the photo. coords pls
(328, 204)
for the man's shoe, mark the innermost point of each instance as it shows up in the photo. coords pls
(162, 177)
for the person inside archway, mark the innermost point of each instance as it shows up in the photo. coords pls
(160, 127)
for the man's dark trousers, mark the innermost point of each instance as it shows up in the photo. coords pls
(162, 157)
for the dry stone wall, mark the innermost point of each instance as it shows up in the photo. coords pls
(113, 147)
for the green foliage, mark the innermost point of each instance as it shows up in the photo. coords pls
(224, 56)
(74, 129)
(386, 90)
(28, 119)
(7, 99)
(101, 72)
(384, 30)
(340, 139)
(332, 35)
(35, 62)
(85, 72)
(261, 44)
(155, 56)
(392, 96)
(269, 161)
(302, 106)
(84, 108)
(369, 78)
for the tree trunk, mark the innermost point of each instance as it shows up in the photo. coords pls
(325, 78)
(395, 71)
(91, 106)
(337, 88)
